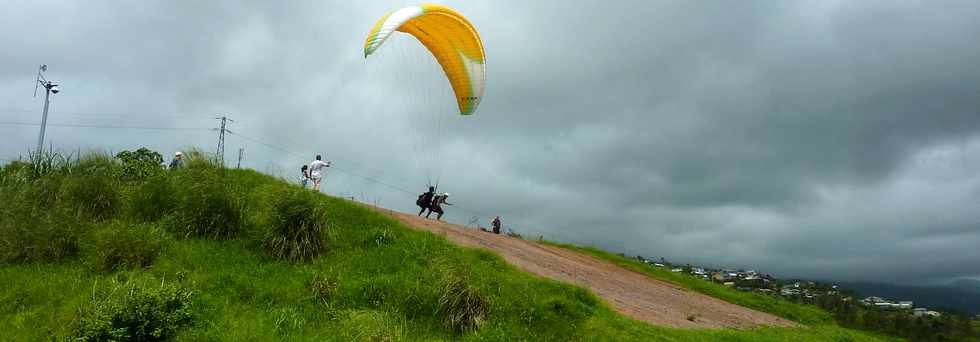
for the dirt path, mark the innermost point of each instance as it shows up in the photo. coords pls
(631, 293)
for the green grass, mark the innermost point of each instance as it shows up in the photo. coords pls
(377, 280)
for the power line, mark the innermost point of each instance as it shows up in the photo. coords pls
(281, 149)
(16, 123)
(111, 115)
(351, 173)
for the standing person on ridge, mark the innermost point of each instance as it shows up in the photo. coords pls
(306, 175)
(425, 199)
(495, 224)
(436, 207)
(315, 171)
(178, 161)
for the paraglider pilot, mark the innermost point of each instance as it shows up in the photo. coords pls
(425, 200)
(436, 206)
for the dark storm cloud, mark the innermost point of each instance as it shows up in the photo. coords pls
(830, 139)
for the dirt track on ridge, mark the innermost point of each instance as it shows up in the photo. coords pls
(629, 292)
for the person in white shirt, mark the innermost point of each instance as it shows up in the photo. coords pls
(316, 174)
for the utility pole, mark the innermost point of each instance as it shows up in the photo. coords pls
(220, 154)
(49, 87)
(241, 152)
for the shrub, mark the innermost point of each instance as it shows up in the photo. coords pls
(462, 306)
(91, 195)
(206, 206)
(297, 226)
(140, 164)
(29, 233)
(41, 194)
(15, 172)
(136, 314)
(94, 164)
(153, 199)
(28, 236)
(121, 246)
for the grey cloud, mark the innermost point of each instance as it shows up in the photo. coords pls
(830, 139)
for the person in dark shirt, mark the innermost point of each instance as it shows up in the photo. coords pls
(425, 200)
(495, 224)
(305, 180)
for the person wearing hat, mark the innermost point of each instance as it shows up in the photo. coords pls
(436, 205)
(178, 162)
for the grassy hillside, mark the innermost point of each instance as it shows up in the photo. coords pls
(107, 248)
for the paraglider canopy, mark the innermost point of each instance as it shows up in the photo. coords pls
(451, 39)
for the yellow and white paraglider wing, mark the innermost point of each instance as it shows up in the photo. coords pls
(450, 38)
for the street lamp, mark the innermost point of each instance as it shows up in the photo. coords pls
(50, 87)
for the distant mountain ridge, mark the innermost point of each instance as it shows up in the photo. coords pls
(961, 295)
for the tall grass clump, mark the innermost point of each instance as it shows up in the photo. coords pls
(130, 312)
(462, 306)
(123, 246)
(32, 227)
(90, 187)
(153, 199)
(323, 288)
(14, 173)
(371, 325)
(95, 164)
(297, 226)
(91, 196)
(46, 162)
(39, 238)
(206, 205)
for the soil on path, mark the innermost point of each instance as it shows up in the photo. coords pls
(631, 293)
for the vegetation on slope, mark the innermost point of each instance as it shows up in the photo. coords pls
(895, 323)
(100, 248)
(806, 314)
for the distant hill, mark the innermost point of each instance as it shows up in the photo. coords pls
(961, 295)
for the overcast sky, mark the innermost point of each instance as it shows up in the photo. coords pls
(816, 139)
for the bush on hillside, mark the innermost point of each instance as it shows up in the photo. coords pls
(140, 164)
(206, 206)
(199, 160)
(153, 199)
(41, 194)
(37, 236)
(462, 306)
(91, 196)
(122, 246)
(298, 224)
(15, 172)
(94, 164)
(135, 313)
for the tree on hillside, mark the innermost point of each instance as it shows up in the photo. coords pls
(140, 164)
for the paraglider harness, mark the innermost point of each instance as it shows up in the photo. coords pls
(425, 199)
